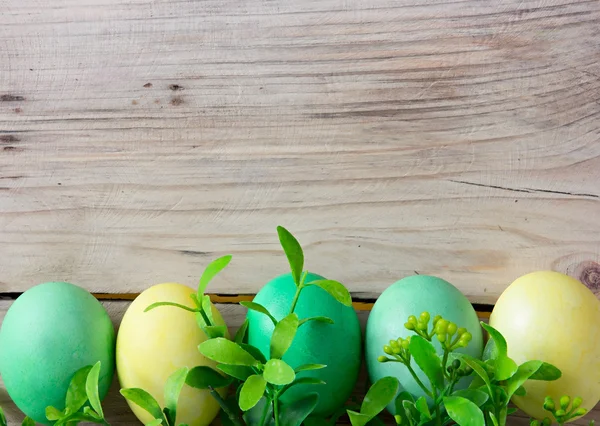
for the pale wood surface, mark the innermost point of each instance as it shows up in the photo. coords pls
(117, 411)
(139, 139)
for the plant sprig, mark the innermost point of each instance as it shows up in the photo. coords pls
(566, 410)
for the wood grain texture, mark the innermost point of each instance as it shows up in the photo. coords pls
(118, 413)
(139, 139)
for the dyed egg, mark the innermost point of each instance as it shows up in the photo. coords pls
(411, 296)
(336, 345)
(152, 345)
(51, 331)
(552, 317)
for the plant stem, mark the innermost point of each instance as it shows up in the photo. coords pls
(296, 296)
(445, 361)
(419, 382)
(205, 317)
(276, 409)
(438, 417)
(232, 416)
(264, 413)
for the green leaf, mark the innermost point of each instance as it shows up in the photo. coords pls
(490, 351)
(326, 320)
(254, 351)
(505, 367)
(144, 400)
(302, 381)
(28, 421)
(240, 372)
(500, 346)
(521, 391)
(478, 369)
(474, 395)
(203, 377)
(172, 390)
(399, 406)
(226, 352)
(90, 412)
(252, 391)
(211, 271)
(75, 418)
(511, 411)
(493, 418)
(259, 308)
(154, 422)
(254, 416)
(176, 305)
(426, 358)
(463, 411)
(294, 413)
(335, 289)
(379, 395)
(2, 417)
(358, 419)
(546, 372)
(410, 410)
(91, 388)
(278, 372)
(293, 252)
(307, 367)
(76, 393)
(52, 413)
(240, 334)
(316, 421)
(214, 331)
(421, 405)
(524, 372)
(207, 308)
(283, 335)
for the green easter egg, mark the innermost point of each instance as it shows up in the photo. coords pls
(51, 331)
(336, 345)
(411, 296)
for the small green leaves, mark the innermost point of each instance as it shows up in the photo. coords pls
(479, 370)
(505, 367)
(76, 393)
(226, 352)
(260, 415)
(254, 351)
(500, 346)
(259, 308)
(326, 320)
(426, 358)
(53, 413)
(240, 334)
(422, 408)
(546, 372)
(278, 372)
(203, 377)
(524, 372)
(28, 421)
(155, 422)
(335, 289)
(172, 390)
(283, 335)
(252, 391)
(474, 395)
(91, 388)
(240, 372)
(214, 331)
(294, 413)
(307, 367)
(293, 252)
(302, 381)
(379, 395)
(211, 271)
(2, 417)
(144, 400)
(463, 411)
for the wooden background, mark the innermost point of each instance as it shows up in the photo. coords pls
(140, 139)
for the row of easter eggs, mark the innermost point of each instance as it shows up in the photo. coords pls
(56, 328)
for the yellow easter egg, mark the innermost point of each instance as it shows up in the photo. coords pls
(152, 345)
(552, 317)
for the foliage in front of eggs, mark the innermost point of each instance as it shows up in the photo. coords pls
(66, 329)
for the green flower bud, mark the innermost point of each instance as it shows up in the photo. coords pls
(581, 412)
(546, 422)
(549, 404)
(441, 327)
(441, 337)
(456, 364)
(425, 317)
(560, 413)
(436, 319)
(387, 350)
(534, 423)
(405, 345)
(421, 326)
(461, 331)
(383, 358)
(409, 326)
(452, 329)
(397, 350)
(412, 319)
(577, 401)
(394, 344)
(468, 371)
(466, 337)
(398, 419)
(564, 402)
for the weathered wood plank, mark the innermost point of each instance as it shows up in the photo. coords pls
(116, 408)
(141, 139)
